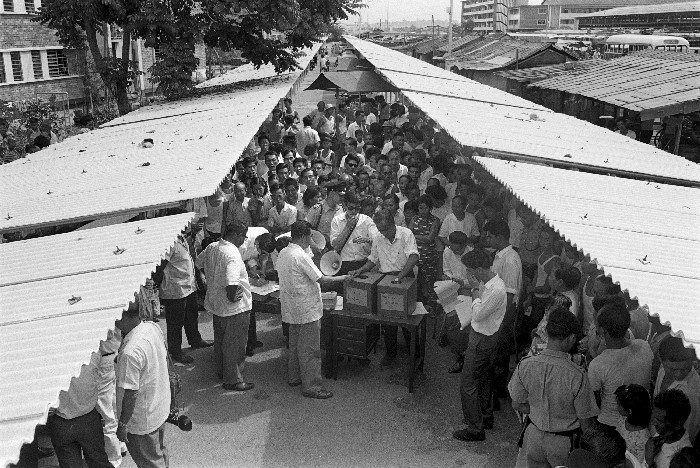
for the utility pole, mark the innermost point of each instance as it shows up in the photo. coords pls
(448, 55)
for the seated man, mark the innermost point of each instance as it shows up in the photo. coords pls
(395, 251)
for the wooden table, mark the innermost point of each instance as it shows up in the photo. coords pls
(341, 321)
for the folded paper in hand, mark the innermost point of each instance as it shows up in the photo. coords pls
(447, 294)
(464, 311)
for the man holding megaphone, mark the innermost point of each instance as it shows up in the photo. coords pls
(351, 235)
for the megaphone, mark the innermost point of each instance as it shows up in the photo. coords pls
(318, 239)
(330, 263)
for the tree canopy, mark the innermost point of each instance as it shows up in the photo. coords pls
(175, 26)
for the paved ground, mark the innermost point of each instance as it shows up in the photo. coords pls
(371, 421)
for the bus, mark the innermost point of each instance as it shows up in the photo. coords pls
(623, 44)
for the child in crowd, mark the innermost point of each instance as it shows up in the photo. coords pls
(634, 404)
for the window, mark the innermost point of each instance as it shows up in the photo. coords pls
(541, 11)
(36, 65)
(16, 60)
(8, 6)
(512, 22)
(514, 11)
(541, 22)
(567, 21)
(29, 6)
(156, 53)
(565, 10)
(3, 78)
(58, 63)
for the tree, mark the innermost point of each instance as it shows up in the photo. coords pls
(176, 25)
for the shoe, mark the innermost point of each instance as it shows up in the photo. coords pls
(387, 361)
(239, 387)
(456, 368)
(467, 436)
(488, 424)
(295, 384)
(250, 352)
(318, 394)
(202, 344)
(183, 358)
(258, 344)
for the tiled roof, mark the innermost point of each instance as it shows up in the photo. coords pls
(532, 74)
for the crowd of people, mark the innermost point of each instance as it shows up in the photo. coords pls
(38, 135)
(595, 379)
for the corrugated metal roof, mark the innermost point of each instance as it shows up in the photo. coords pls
(485, 117)
(654, 83)
(248, 71)
(646, 236)
(106, 171)
(458, 43)
(45, 339)
(429, 45)
(529, 75)
(646, 9)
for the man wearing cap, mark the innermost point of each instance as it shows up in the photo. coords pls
(395, 251)
(351, 235)
(554, 394)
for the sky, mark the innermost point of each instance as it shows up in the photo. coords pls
(407, 10)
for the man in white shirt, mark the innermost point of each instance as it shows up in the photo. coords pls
(75, 426)
(229, 300)
(302, 309)
(459, 220)
(488, 310)
(395, 251)
(143, 390)
(508, 267)
(178, 294)
(398, 141)
(306, 136)
(351, 235)
(282, 215)
(358, 124)
(623, 362)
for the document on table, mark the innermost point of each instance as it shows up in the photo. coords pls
(464, 310)
(265, 289)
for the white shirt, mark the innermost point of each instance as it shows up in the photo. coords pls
(629, 134)
(508, 267)
(306, 136)
(370, 119)
(424, 177)
(403, 170)
(690, 386)
(142, 365)
(452, 264)
(359, 244)
(392, 256)
(450, 224)
(353, 127)
(615, 367)
(300, 293)
(490, 308)
(223, 266)
(247, 249)
(442, 212)
(389, 145)
(178, 274)
(284, 218)
(81, 396)
(663, 459)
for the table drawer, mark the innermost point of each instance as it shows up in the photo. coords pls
(352, 334)
(353, 348)
(349, 322)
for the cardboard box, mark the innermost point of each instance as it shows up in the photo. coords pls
(396, 300)
(360, 294)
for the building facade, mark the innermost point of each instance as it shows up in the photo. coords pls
(534, 15)
(487, 15)
(32, 62)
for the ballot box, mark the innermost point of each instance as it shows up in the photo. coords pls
(360, 294)
(396, 300)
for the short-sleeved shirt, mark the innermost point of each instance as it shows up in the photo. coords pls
(392, 256)
(556, 389)
(468, 225)
(307, 136)
(507, 265)
(353, 251)
(321, 216)
(238, 211)
(247, 249)
(142, 365)
(178, 275)
(284, 218)
(300, 293)
(223, 266)
(81, 396)
(452, 265)
(615, 367)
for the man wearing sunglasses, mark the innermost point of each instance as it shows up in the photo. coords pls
(351, 235)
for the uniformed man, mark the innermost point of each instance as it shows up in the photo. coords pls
(554, 394)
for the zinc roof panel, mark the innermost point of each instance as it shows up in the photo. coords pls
(38, 278)
(657, 264)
